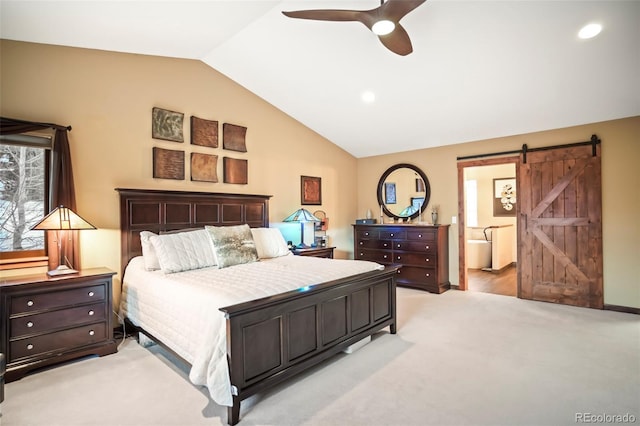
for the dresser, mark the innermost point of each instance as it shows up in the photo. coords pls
(46, 320)
(422, 251)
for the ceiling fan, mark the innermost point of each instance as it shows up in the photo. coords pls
(382, 21)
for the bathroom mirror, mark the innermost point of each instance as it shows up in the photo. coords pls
(403, 191)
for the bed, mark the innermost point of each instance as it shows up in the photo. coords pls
(272, 338)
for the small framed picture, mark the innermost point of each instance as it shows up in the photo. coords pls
(390, 193)
(310, 190)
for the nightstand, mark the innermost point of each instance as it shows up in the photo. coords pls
(46, 320)
(314, 251)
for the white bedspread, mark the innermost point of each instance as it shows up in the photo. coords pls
(181, 309)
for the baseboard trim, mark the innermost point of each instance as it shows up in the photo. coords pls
(454, 287)
(618, 308)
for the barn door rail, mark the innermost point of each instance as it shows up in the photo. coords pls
(525, 149)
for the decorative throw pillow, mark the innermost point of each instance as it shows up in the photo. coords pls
(232, 245)
(269, 243)
(184, 251)
(151, 262)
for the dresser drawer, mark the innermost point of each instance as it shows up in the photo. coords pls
(380, 256)
(416, 259)
(421, 246)
(38, 323)
(367, 233)
(410, 274)
(375, 244)
(61, 340)
(422, 234)
(57, 299)
(393, 234)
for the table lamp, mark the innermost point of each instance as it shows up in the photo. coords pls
(302, 216)
(62, 219)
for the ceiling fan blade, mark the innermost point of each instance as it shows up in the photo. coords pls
(326, 14)
(394, 10)
(397, 41)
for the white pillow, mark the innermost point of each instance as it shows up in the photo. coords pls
(148, 252)
(184, 251)
(269, 242)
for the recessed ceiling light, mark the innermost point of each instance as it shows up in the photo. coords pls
(590, 31)
(368, 96)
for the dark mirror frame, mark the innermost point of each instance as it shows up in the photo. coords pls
(427, 189)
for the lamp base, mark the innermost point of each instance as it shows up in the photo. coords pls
(302, 246)
(61, 270)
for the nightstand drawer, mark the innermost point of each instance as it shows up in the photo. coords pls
(66, 339)
(57, 299)
(38, 323)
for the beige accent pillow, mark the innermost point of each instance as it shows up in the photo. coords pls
(232, 245)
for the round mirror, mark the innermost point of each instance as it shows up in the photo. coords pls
(403, 191)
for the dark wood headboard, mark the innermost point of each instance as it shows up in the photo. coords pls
(158, 211)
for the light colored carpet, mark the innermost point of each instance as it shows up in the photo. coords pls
(459, 358)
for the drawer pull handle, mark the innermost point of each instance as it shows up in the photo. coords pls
(91, 294)
(360, 242)
(385, 244)
(398, 258)
(385, 256)
(29, 324)
(427, 247)
(392, 234)
(428, 274)
(91, 332)
(419, 235)
(29, 346)
(427, 259)
(91, 313)
(366, 233)
(30, 303)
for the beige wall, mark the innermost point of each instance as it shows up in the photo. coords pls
(107, 97)
(620, 194)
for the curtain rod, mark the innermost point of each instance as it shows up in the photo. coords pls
(52, 125)
(525, 149)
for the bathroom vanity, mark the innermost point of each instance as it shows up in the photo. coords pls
(422, 250)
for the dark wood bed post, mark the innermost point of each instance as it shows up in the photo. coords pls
(233, 413)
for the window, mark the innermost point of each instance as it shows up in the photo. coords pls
(24, 185)
(471, 198)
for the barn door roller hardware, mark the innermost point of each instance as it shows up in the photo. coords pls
(525, 149)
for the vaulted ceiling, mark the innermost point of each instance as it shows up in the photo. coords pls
(479, 69)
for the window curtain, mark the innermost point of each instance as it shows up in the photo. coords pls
(61, 187)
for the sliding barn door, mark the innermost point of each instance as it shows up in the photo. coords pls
(560, 226)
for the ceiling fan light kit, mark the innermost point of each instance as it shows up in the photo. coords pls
(384, 21)
(383, 27)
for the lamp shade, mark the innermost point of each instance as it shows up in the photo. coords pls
(301, 215)
(62, 218)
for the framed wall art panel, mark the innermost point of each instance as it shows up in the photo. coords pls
(310, 190)
(504, 197)
(167, 125)
(204, 132)
(204, 167)
(235, 171)
(168, 164)
(233, 137)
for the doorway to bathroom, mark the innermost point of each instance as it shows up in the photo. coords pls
(558, 204)
(490, 226)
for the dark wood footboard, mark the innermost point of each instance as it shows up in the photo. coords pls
(272, 339)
